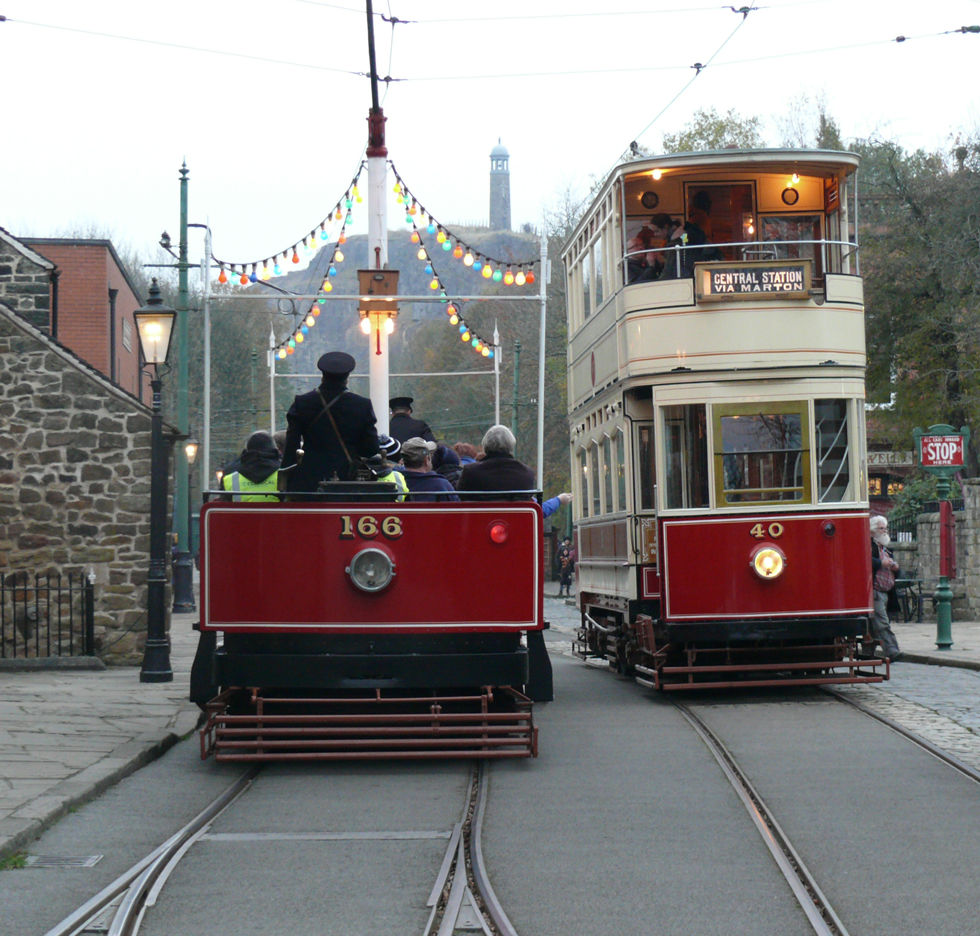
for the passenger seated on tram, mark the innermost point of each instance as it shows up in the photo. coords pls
(684, 242)
(499, 470)
(654, 257)
(636, 248)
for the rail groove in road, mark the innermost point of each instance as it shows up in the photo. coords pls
(461, 896)
(907, 733)
(815, 905)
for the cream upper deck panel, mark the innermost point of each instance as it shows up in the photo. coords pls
(772, 214)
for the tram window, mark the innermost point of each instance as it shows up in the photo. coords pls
(761, 454)
(583, 460)
(645, 466)
(587, 283)
(594, 471)
(833, 450)
(607, 472)
(686, 456)
(792, 237)
(597, 261)
(621, 470)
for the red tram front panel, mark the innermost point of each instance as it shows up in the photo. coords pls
(709, 572)
(457, 567)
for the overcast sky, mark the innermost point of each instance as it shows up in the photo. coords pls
(96, 127)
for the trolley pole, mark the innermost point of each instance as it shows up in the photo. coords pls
(272, 381)
(517, 370)
(496, 375)
(206, 438)
(541, 356)
(377, 160)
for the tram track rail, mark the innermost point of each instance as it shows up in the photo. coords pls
(462, 889)
(822, 918)
(907, 733)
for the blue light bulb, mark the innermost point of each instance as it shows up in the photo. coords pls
(462, 327)
(431, 228)
(323, 234)
(490, 354)
(277, 269)
(253, 277)
(305, 330)
(428, 269)
(477, 265)
(332, 271)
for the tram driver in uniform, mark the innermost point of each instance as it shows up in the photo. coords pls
(334, 427)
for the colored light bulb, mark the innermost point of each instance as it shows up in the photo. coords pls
(458, 252)
(266, 272)
(282, 354)
(400, 199)
(305, 329)
(431, 228)
(317, 311)
(529, 279)
(338, 214)
(434, 284)
(222, 276)
(468, 259)
(487, 271)
(291, 343)
(347, 220)
(389, 325)
(454, 319)
(486, 351)
(342, 239)
(466, 336)
(428, 269)
(462, 327)
(415, 237)
(314, 311)
(338, 256)
(243, 279)
(253, 277)
(441, 236)
(299, 338)
(421, 254)
(289, 350)
(277, 268)
(366, 325)
(508, 278)
(348, 204)
(413, 210)
(520, 278)
(332, 271)
(490, 354)
(310, 320)
(356, 193)
(446, 245)
(450, 309)
(328, 287)
(497, 276)
(476, 264)
(295, 256)
(397, 187)
(475, 342)
(323, 234)
(408, 218)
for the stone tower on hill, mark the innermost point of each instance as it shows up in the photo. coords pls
(499, 188)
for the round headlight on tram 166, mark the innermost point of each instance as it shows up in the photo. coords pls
(371, 570)
(768, 561)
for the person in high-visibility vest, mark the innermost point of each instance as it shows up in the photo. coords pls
(389, 472)
(257, 470)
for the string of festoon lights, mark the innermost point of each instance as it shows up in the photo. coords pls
(276, 265)
(452, 309)
(490, 268)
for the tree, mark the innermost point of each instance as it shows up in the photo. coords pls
(808, 124)
(709, 130)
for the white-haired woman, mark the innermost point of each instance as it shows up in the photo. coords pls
(884, 571)
(499, 470)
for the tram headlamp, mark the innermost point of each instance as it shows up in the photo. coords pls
(371, 570)
(768, 562)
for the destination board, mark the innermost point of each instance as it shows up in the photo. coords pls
(757, 279)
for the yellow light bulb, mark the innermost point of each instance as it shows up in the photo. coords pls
(434, 284)
(389, 325)
(338, 256)
(441, 237)
(487, 271)
(656, 174)
(421, 253)
(454, 319)
(465, 336)
(486, 351)
(366, 325)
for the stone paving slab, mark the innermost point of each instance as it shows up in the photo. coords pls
(69, 734)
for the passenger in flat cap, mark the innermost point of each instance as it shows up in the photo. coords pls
(402, 426)
(334, 427)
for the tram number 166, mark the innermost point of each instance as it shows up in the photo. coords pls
(775, 530)
(369, 527)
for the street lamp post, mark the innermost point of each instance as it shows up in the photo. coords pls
(154, 325)
(191, 447)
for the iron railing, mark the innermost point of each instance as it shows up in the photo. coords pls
(47, 615)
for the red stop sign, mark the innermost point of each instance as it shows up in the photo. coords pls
(941, 451)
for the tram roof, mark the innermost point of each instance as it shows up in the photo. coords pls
(807, 161)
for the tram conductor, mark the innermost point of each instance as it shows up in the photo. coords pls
(334, 427)
(403, 426)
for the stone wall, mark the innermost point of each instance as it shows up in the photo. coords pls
(25, 283)
(75, 481)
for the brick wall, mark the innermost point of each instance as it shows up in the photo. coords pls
(75, 481)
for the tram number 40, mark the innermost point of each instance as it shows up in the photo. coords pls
(369, 527)
(775, 530)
